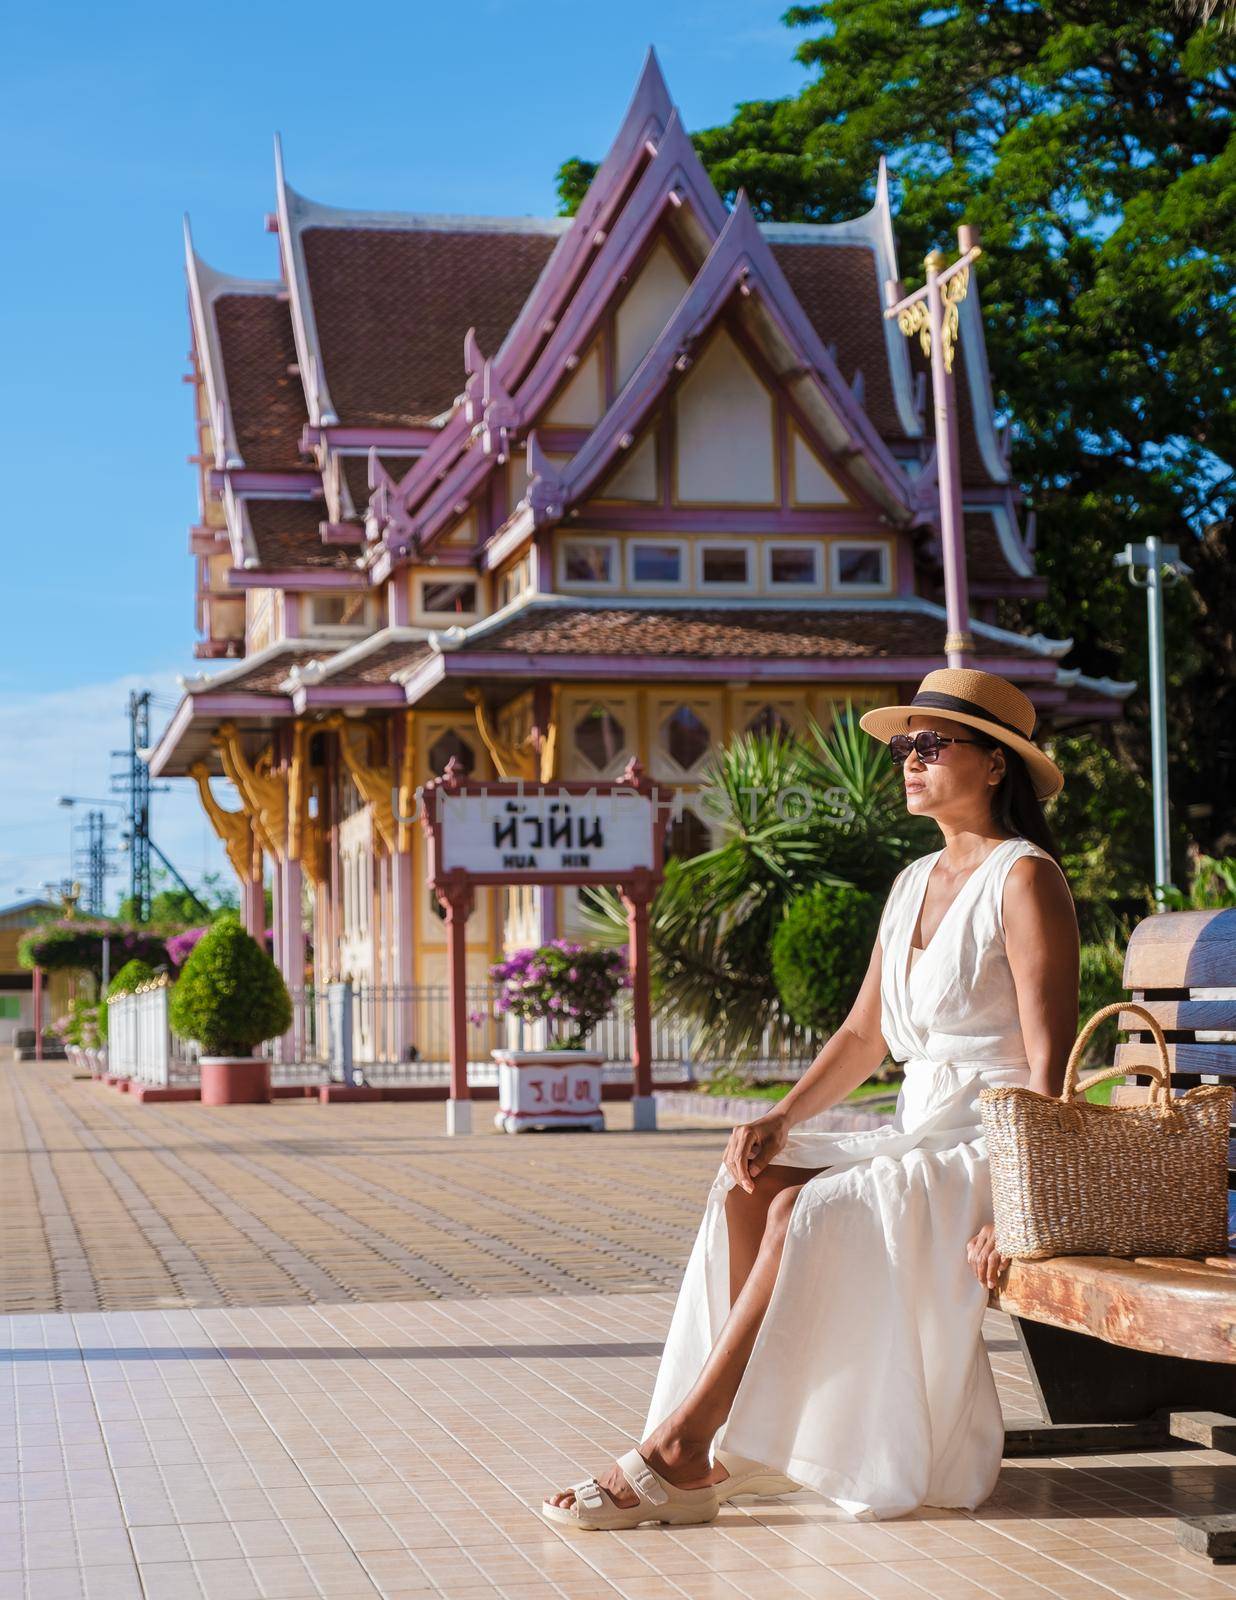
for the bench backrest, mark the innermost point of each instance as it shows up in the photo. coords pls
(1181, 965)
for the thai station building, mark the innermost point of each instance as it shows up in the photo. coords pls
(546, 494)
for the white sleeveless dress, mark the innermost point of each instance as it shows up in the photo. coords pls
(869, 1381)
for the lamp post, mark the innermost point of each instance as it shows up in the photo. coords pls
(932, 313)
(1163, 566)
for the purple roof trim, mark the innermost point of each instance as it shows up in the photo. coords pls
(741, 258)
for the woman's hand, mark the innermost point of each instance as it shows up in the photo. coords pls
(984, 1258)
(752, 1146)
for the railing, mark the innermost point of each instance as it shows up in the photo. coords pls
(401, 1033)
(387, 1033)
(140, 1042)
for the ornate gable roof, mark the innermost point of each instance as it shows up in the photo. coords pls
(242, 332)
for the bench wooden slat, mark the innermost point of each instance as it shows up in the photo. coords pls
(1181, 950)
(1213, 1430)
(1182, 1016)
(1183, 1056)
(1156, 1309)
(1206, 1265)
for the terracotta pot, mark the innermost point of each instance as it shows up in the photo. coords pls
(548, 1089)
(235, 1080)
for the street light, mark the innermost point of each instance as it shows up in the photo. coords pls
(1163, 565)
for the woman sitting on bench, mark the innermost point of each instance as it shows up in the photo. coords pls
(828, 1330)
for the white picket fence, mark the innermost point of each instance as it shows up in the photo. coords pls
(401, 1034)
(140, 1042)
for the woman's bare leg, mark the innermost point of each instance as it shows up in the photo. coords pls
(679, 1448)
(746, 1216)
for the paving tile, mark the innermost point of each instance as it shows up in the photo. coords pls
(307, 1353)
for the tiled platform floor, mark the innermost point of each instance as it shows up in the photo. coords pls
(400, 1450)
(106, 1204)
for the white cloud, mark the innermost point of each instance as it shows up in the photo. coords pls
(61, 742)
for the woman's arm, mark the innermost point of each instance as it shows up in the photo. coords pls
(1043, 946)
(848, 1059)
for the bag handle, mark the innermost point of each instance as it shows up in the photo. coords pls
(1160, 1072)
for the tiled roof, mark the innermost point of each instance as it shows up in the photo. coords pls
(973, 471)
(687, 632)
(986, 561)
(267, 401)
(286, 534)
(266, 676)
(838, 288)
(392, 305)
(379, 666)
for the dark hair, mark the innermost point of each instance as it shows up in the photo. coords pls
(1015, 806)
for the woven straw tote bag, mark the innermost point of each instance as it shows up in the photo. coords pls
(1072, 1178)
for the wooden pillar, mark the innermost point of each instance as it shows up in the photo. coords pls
(637, 897)
(293, 926)
(458, 899)
(403, 964)
(38, 1013)
(278, 918)
(253, 903)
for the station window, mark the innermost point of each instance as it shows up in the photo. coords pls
(686, 836)
(655, 563)
(589, 561)
(860, 566)
(686, 738)
(339, 610)
(725, 564)
(445, 746)
(448, 596)
(794, 566)
(599, 737)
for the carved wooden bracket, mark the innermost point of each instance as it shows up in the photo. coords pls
(263, 793)
(511, 759)
(373, 783)
(233, 827)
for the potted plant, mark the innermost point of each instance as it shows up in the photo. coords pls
(565, 989)
(230, 997)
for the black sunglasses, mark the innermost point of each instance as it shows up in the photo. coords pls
(926, 741)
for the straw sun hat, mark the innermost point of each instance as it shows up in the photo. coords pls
(981, 700)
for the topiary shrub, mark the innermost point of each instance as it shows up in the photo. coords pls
(820, 952)
(230, 996)
(130, 977)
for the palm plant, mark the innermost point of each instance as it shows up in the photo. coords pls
(791, 813)
(1202, 11)
(1213, 885)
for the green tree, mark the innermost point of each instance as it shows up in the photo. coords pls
(173, 907)
(1090, 141)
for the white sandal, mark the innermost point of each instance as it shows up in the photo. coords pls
(751, 1477)
(659, 1501)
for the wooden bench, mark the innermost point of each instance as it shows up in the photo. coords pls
(1137, 1354)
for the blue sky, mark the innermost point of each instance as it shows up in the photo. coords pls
(116, 120)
